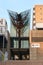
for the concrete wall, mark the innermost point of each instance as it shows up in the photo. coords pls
(36, 52)
(8, 44)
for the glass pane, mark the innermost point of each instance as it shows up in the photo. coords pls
(15, 44)
(24, 44)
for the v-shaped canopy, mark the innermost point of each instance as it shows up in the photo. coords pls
(20, 21)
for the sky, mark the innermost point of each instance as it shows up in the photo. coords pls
(16, 6)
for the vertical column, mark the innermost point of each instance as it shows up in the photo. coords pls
(8, 44)
(33, 53)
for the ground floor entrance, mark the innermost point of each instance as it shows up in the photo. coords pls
(3, 42)
(20, 51)
(20, 54)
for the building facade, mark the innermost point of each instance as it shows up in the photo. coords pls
(37, 22)
(4, 36)
(36, 34)
(14, 46)
(3, 26)
(36, 44)
(3, 32)
(19, 34)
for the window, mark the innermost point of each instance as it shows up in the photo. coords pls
(33, 13)
(0, 29)
(15, 44)
(34, 27)
(34, 24)
(33, 19)
(1, 21)
(33, 8)
(24, 44)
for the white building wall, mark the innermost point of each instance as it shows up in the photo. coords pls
(3, 27)
(39, 25)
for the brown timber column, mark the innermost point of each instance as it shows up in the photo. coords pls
(19, 39)
(20, 56)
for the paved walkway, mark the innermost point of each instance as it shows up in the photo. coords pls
(23, 62)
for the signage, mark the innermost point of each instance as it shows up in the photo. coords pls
(35, 45)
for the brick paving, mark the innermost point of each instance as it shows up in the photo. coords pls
(23, 62)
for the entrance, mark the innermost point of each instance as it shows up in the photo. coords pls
(20, 52)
